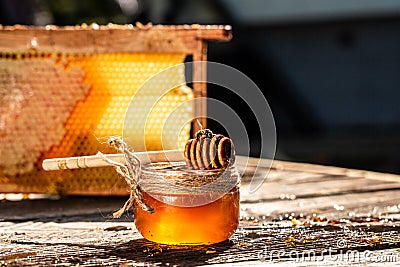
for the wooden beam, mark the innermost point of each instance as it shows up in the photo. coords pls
(109, 39)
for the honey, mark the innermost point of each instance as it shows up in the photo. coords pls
(189, 218)
(64, 105)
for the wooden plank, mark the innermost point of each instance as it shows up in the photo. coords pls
(45, 209)
(292, 185)
(378, 204)
(110, 38)
(299, 180)
(107, 243)
(330, 170)
(88, 238)
(266, 164)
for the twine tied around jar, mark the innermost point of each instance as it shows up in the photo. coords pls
(130, 172)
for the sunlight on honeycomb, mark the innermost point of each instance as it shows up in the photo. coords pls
(61, 105)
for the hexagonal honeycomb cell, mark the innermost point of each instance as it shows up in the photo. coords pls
(61, 105)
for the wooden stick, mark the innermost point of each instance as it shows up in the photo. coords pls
(177, 155)
(95, 161)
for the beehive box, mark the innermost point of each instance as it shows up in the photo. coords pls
(64, 90)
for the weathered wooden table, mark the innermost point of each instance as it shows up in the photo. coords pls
(302, 215)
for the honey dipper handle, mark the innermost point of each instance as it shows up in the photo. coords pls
(97, 161)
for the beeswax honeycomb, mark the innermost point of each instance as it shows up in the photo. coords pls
(61, 105)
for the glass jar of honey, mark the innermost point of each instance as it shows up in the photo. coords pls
(191, 207)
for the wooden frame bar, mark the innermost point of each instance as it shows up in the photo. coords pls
(111, 38)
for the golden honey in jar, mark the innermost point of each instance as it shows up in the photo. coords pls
(190, 207)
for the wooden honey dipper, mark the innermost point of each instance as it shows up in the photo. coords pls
(207, 151)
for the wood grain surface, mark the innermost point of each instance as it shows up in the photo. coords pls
(296, 218)
(110, 38)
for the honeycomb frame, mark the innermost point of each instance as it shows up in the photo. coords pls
(97, 70)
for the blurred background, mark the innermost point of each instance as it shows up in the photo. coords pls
(330, 70)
